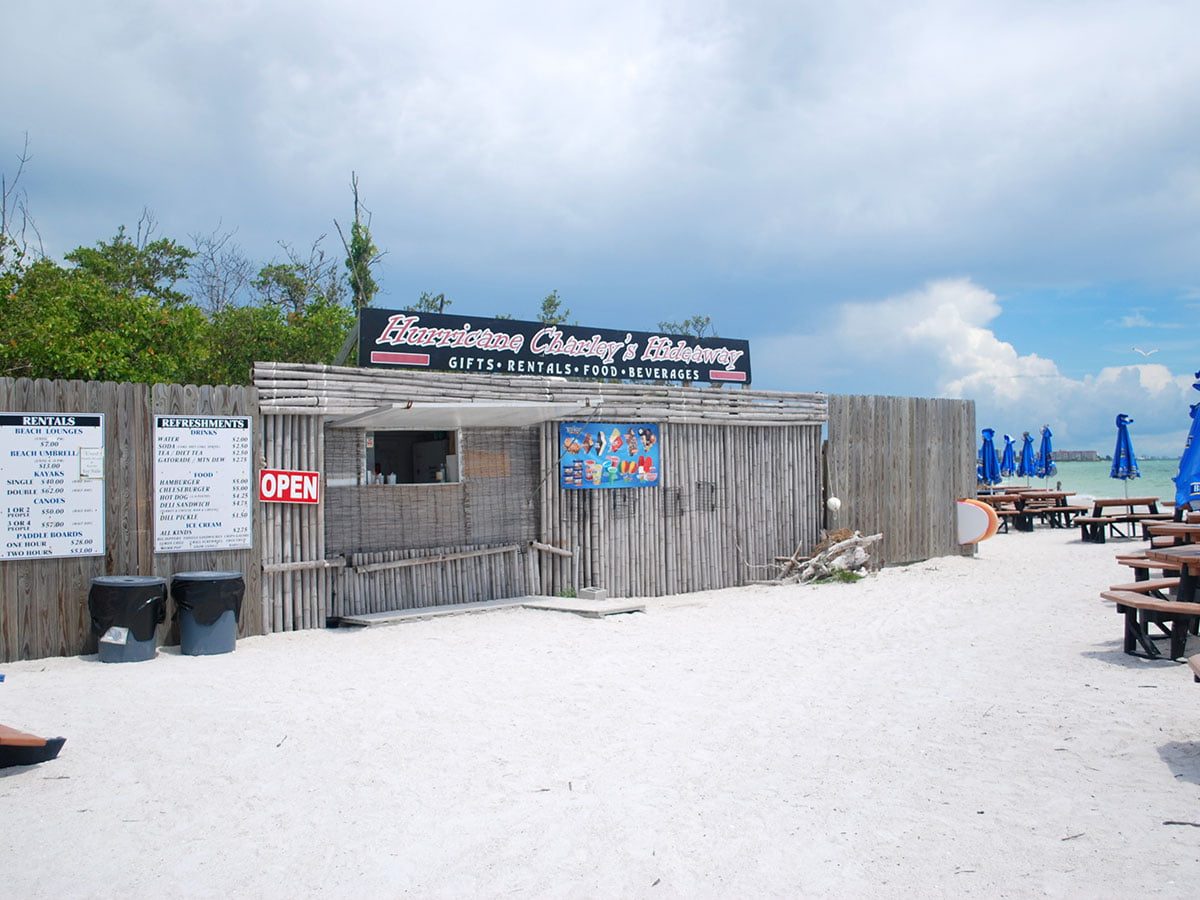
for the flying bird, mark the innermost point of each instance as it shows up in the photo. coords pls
(1144, 352)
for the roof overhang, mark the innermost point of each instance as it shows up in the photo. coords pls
(414, 416)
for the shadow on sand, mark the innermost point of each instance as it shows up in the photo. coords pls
(1183, 759)
(1113, 654)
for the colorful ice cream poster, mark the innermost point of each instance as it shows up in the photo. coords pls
(598, 455)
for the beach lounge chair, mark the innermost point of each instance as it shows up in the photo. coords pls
(18, 748)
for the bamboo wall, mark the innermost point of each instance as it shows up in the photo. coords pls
(898, 464)
(296, 580)
(382, 582)
(43, 602)
(732, 498)
(340, 390)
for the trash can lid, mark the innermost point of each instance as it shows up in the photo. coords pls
(206, 576)
(129, 581)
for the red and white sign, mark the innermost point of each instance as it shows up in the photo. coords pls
(288, 486)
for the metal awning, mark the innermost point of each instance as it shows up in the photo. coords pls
(413, 416)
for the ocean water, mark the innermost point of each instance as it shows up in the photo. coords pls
(1091, 479)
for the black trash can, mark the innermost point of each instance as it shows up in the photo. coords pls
(126, 610)
(209, 607)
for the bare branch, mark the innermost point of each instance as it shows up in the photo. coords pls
(146, 226)
(14, 204)
(219, 271)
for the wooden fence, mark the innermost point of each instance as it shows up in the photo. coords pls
(43, 602)
(898, 464)
(742, 484)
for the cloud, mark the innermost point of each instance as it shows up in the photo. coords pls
(938, 340)
(1137, 319)
(797, 135)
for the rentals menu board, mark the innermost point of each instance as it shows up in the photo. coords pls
(52, 474)
(202, 474)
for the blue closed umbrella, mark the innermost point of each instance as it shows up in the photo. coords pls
(1026, 467)
(1044, 465)
(989, 465)
(1008, 459)
(1124, 464)
(1187, 482)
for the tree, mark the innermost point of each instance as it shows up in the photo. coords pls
(697, 326)
(361, 253)
(300, 281)
(58, 322)
(139, 266)
(553, 312)
(242, 335)
(431, 303)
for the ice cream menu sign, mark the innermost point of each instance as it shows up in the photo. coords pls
(52, 475)
(202, 475)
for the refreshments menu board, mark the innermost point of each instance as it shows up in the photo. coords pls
(202, 473)
(52, 477)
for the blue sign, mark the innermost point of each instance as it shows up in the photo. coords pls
(599, 455)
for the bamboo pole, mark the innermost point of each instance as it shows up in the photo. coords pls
(379, 566)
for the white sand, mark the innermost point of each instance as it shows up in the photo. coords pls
(962, 727)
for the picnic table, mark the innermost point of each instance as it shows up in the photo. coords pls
(1052, 506)
(1145, 603)
(1112, 513)
(1022, 504)
(1185, 559)
(1182, 532)
(1009, 506)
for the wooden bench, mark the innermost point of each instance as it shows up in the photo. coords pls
(1011, 514)
(1155, 586)
(1064, 516)
(1140, 611)
(1091, 528)
(1143, 565)
(1152, 519)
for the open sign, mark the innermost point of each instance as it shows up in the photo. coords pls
(289, 486)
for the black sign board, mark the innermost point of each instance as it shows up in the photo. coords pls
(398, 339)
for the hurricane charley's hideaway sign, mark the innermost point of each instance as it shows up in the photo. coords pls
(201, 483)
(52, 475)
(435, 341)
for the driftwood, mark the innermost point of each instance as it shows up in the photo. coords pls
(849, 554)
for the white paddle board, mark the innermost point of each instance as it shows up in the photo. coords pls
(976, 521)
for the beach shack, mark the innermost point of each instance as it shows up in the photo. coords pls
(467, 459)
(455, 460)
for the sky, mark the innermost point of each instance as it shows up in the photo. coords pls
(991, 200)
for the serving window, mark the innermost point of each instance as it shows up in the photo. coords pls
(412, 457)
